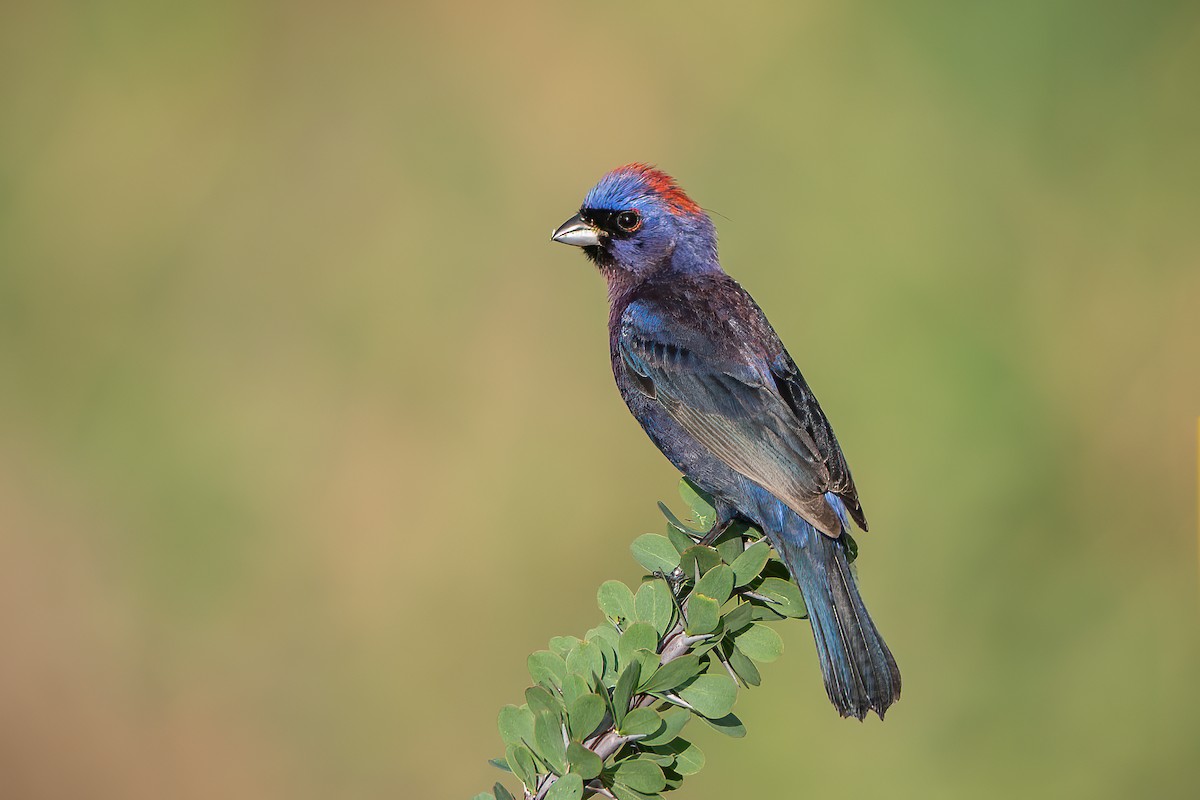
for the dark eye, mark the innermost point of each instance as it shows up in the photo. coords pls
(629, 221)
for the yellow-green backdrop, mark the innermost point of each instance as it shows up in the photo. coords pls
(308, 437)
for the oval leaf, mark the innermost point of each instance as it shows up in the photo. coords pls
(751, 562)
(569, 787)
(515, 724)
(520, 761)
(674, 673)
(729, 725)
(546, 668)
(640, 722)
(655, 553)
(681, 540)
(703, 614)
(712, 696)
(698, 558)
(638, 636)
(674, 523)
(641, 776)
(743, 667)
(655, 606)
(615, 600)
(786, 597)
(548, 739)
(739, 617)
(700, 502)
(562, 645)
(760, 642)
(689, 760)
(586, 660)
(624, 691)
(539, 699)
(674, 719)
(584, 762)
(574, 687)
(585, 715)
(717, 583)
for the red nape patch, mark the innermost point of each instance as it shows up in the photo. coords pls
(664, 186)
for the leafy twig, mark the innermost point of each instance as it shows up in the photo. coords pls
(605, 713)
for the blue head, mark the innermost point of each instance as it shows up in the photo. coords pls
(637, 220)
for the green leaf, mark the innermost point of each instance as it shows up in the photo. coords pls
(674, 719)
(759, 642)
(703, 614)
(674, 673)
(763, 612)
(689, 759)
(648, 660)
(738, 617)
(786, 595)
(606, 638)
(569, 787)
(712, 696)
(698, 556)
(574, 687)
(483, 796)
(623, 792)
(499, 763)
(520, 761)
(602, 633)
(664, 760)
(654, 605)
(674, 522)
(548, 739)
(638, 636)
(586, 660)
(640, 722)
(641, 776)
(655, 553)
(678, 538)
(584, 762)
(539, 699)
(561, 646)
(515, 724)
(624, 691)
(750, 563)
(585, 715)
(615, 600)
(717, 583)
(546, 668)
(729, 725)
(501, 792)
(700, 502)
(743, 667)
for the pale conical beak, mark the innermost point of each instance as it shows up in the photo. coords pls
(576, 232)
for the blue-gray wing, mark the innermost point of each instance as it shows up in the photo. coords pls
(728, 398)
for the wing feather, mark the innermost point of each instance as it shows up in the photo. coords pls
(733, 407)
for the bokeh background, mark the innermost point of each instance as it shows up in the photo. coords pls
(308, 436)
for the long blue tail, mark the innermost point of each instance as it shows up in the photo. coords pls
(860, 673)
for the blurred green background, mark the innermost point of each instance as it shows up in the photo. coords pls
(308, 435)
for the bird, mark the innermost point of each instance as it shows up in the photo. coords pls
(703, 371)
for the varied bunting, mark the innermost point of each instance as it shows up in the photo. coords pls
(705, 374)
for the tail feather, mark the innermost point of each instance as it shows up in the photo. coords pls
(860, 673)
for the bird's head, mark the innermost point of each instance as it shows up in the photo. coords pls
(637, 220)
